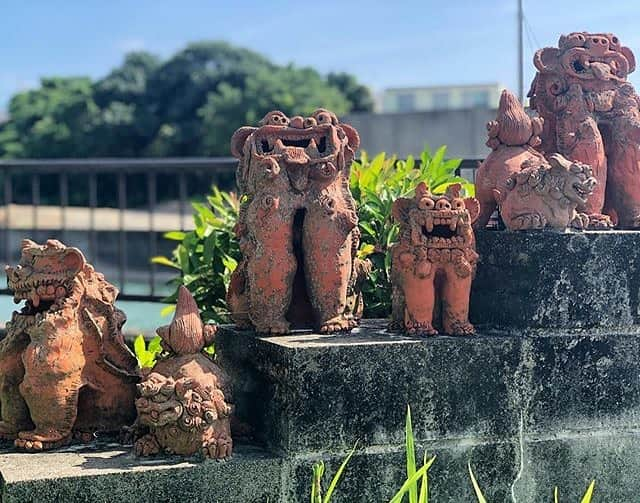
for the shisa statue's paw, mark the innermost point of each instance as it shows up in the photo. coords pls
(599, 221)
(337, 324)
(34, 441)
(276, 327)
(462, 328)
(147, 445)
(421, 329)
(580, 221)
(217, 448)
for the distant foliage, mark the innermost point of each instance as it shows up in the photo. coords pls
(188, 105)
(207, 256)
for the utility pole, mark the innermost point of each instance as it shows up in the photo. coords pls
(520, 53)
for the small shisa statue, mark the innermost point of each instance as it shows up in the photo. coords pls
(65, 369)
(184, 401)
(512, 138)
(298, 227)
(547, 195)
(433, 264)
(591, 114)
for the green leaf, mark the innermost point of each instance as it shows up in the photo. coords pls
(424, 486)
(164, 261)
(589, 494)
(155, 346)
(338, 475)
(476, 487)
(412, 481)
(175, 235)
(411, 455)
(139, 346)
(167, 310)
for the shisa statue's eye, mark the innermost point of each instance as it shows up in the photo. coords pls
(278, 119)
(323, 118)
(426, 203)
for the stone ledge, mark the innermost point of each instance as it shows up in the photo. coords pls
(542, 279)
(307, 392)
(113, 473)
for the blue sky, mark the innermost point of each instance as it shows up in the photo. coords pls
(385, 44)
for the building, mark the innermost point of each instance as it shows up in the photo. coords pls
(433, 98)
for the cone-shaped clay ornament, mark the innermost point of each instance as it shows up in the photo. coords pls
(185, 400)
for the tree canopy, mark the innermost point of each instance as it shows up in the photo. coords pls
(188, 105)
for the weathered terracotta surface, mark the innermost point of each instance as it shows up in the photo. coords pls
(64, 366)
(546, 195)
(434, 262)
(591, 115)
(184, 401)
(298, 225)
(512, 138)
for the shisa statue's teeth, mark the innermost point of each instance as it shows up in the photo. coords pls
(51, 290)
(453, 224)
(312, 148)
(35, 300)
(279, 146)
(41, 290)
(429, 224)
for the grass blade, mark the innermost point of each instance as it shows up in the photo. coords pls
(589, 494)
(411, 457)
(476, 487)
(338, 475)
(316, 481)
(412, 481)
(424, 487)
(555, 494)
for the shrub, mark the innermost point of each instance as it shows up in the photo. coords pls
(207, 256)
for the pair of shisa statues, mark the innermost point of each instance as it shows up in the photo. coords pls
(66, 371)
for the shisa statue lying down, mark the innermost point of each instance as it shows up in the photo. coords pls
(546, 195)
(184, 401)
(65, 369)
(433, 264)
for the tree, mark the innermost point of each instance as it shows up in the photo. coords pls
(188, 105)
(291, 90)
(359, 95)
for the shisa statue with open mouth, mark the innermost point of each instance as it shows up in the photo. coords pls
(591, 115)
(65, 369)
(433, 264)
(298, 227)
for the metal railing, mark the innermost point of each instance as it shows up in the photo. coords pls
(110, 194)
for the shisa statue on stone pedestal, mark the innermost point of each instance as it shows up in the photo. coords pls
(546, 195)
(185, 399)
(513, 137)
(433, 264)
(591, 115)
(65, 369)
(298, 227)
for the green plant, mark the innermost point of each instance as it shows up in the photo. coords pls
(375, 184)
(147, 354)
(318, 474)
(481, 499)
(208, 255)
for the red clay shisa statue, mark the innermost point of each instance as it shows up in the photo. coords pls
(65, 369)
(433, 264)
(512, 138)
(546, 195)
(184, 400)
(591, 115)
(298, 228)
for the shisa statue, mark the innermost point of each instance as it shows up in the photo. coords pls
(433, 264)
(297, 229)
(65, 369)
(513, 137)
(591, 115)
(185, 400)
(546, 195)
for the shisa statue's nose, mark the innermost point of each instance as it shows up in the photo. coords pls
(297, 122)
